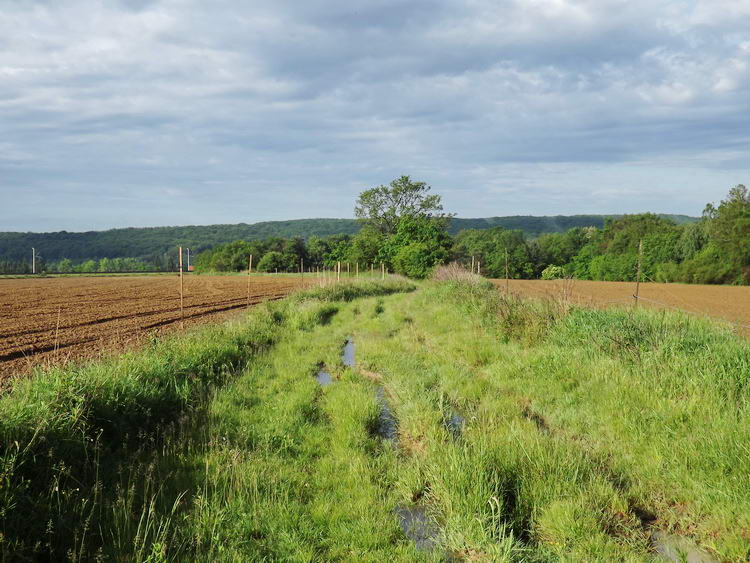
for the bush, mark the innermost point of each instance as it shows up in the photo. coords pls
(414, 260)
(553, 272)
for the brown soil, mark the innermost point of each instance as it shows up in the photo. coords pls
(51, 320)
(729, 303)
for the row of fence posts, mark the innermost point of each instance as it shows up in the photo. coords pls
(476, 267)
(319, 274)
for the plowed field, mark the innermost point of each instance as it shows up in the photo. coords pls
(729, 303)
(48, 320)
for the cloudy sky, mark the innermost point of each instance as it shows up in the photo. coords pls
(165, 112)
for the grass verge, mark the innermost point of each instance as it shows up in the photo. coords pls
(525, 431)
(77, 444)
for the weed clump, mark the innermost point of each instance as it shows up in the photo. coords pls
(454, 272)
(356, 290)
(514, 318)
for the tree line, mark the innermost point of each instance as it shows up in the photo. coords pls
(149, 243)
(68, 266)
(404, 227)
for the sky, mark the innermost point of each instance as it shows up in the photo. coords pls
(173, 112)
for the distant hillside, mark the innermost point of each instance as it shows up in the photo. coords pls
(152, 241)
(534, 226)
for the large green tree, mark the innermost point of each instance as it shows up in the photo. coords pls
(384, 206)
(730, 226)
(403, 226)
(418, 244)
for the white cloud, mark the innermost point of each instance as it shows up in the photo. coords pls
(286, 103)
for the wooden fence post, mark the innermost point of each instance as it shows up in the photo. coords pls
(249, 271)
(507, 273)
(338, 270)
(357, 270)
(182, 312)
(382, 270)
(638, 274)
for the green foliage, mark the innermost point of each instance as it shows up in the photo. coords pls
(383, 207)
(157, 244)
(709, 251)
(403, 226)
(417, 246)
(414, 260)
(730, 227)
(560, 248)
(65, 266)
(553, 272)
(490, 247)
(274, 261)
(367, 246)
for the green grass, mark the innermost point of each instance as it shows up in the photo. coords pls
(579, 424)
(79, 445)
(583, 432)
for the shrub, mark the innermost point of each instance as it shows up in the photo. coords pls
(553, 272)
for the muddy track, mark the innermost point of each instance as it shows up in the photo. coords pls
(47, 321)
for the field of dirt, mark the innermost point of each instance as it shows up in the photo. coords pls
(49, 320)
(729, 303)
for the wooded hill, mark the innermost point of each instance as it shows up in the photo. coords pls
(149, 242)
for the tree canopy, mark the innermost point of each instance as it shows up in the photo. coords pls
(382, 207)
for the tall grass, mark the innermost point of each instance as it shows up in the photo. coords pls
(593, 428)
(77, 444)
(580, 433)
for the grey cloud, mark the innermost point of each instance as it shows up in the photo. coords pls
(518, 107)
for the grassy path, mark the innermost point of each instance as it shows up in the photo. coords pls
(524, 432)
(516, 440)
(294, 472)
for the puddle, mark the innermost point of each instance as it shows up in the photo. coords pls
(679, 549)
(418, 526)
(455, 424)
(323, 377)
(387, 425)
(347, 356)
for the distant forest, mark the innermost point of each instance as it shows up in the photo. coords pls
(713, 249)
(155, 247)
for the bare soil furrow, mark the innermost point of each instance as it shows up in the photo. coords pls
(44, 321)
